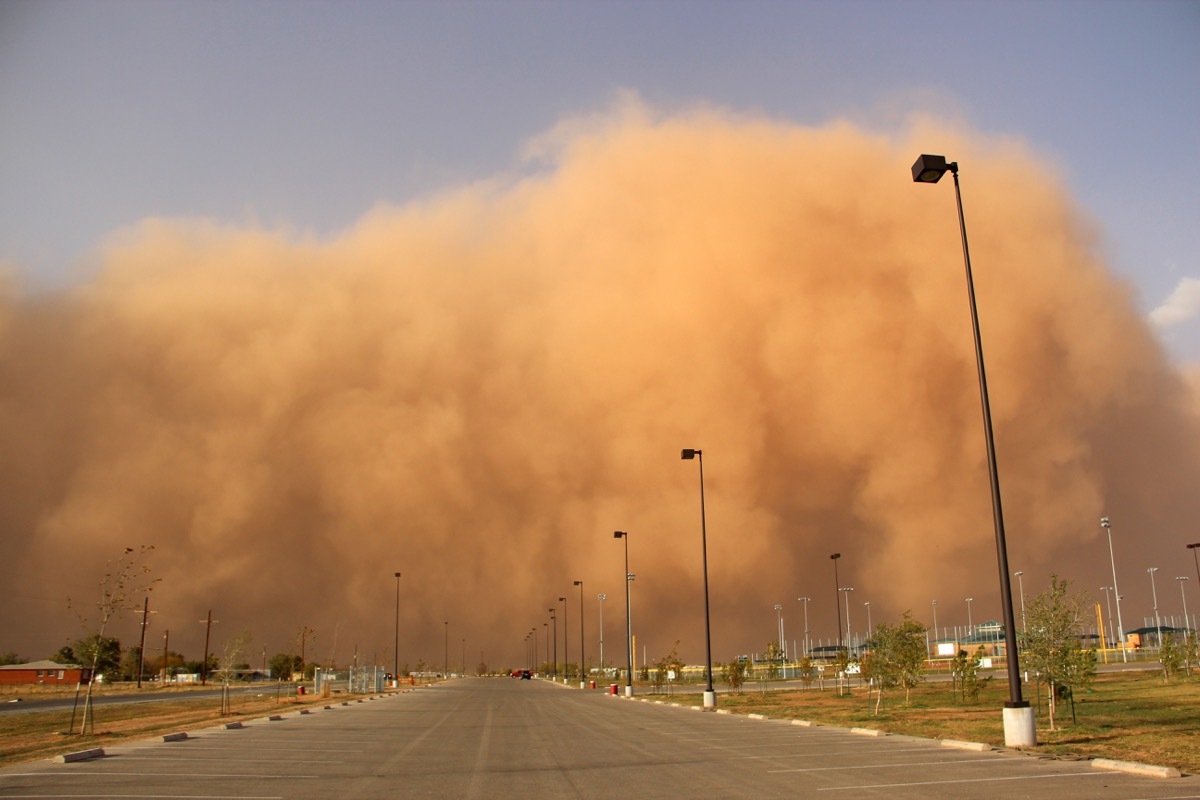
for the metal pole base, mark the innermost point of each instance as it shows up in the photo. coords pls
(710, 699)
(1020, 727)
(629, 691)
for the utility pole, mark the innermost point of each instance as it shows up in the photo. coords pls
(142, 645)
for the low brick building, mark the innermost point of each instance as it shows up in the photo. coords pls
(43, 673)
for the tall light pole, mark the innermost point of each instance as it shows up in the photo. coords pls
(805, 601)
(710, 696)
(837, 598)
(554, 661)
(546, 636)
(582, 665)
(566, 639)
(1020, 728)
(1187, 626)
(970, 623)
(779, 623)
(869, 628)
(600, 598)
(396, 641)
(446, 658)
(1154, 592)
(935, 633)
(1108, 607)
(1021, 587)
(846, 590)
(1196, 559)
(628, 617)
(1104, 523)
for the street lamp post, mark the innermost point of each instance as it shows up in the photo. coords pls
(628, 617)
(1157, 622)
(554, 661)
(1104, 523)
(446, 659)
(1019, 724)
(1187, 626)
(710, 696)
(1196, 559)
(782, 641)
(582, 665)
(600, 598)
(970, 622)
(805, 601)
(846, 590)
(566, 639)
(869, 628)
(546, 636)
(396, 642)
(837, 599)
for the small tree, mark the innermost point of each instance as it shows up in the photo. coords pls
(1171, 655)
(964, 669)
(228, 664)
(808, 672)
(124, 579)
(666, 665)
(734, 674)
(896, 656)
(774, 657)
(1050, 643)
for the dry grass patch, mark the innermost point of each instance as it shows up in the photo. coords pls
(1126, 716)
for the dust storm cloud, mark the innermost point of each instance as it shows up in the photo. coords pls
(476, 389)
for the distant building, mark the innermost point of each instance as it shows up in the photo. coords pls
(43, 673)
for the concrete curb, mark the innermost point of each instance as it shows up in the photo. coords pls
(1134, 768)
(867, 732)
(758, 716)
(957, 745)
(175, 737)
(803, 723)
(233, 726)
(82, 755)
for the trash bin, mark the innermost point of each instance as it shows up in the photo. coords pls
(592, 684)
(612, 688)
(300, 689)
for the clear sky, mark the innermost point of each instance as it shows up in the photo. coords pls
(307, 114)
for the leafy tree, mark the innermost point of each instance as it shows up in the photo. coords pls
(808, 672)
(896, 657)
(10, 657)
(964, 668)
(773, 657)
(283, 666)
(103, 653)
(666, 665)
(1171, 656)
(734, 674)
(65, 655)
(1050, 643)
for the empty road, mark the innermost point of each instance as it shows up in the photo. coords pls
(501, 738)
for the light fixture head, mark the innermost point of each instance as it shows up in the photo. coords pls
(836, 556)
(930, 169)
(577, 583)
(688, 454)
(619, 534)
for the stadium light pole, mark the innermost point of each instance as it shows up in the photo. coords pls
(600, 598)
(566, 639)
(805, 601)
(1104, 523)
(1187, 626)
(1194, 547)
(628, 617)
(1020, 728)
(1157, 621)
(710, 696)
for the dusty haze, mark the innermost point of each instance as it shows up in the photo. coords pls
(478, 388)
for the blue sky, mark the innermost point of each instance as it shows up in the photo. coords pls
(307, 114)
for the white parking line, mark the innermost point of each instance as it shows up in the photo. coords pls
(885, 766)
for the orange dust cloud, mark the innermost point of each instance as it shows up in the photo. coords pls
(477, 389)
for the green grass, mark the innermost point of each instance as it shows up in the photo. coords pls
(1126, 716)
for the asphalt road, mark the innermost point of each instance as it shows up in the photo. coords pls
(506, 739)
